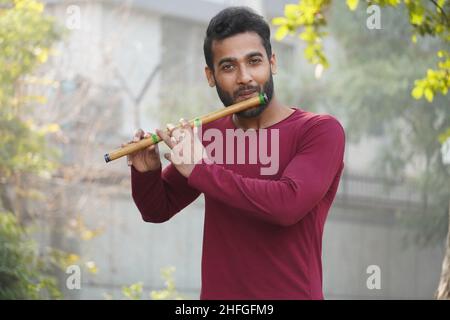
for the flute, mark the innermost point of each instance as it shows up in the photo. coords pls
(212, 116)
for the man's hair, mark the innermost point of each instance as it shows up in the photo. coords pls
(232, 21)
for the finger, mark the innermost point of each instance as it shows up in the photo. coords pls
(168, 156)
(185, 125)
(165, 137)
(170, 127)
(139, 132)
(147, 135)
(125, 144)
(183, 121)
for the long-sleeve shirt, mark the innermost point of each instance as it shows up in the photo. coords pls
(262, 233)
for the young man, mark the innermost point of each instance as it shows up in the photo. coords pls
(263, 229)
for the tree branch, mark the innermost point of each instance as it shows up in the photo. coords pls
(441, 9)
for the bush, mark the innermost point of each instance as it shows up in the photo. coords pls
(23, 274)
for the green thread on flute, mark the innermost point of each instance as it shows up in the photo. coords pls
(197, 122)
(155, 138)
(261, 98)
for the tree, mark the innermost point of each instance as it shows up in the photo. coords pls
(26, 36)
(414, 129)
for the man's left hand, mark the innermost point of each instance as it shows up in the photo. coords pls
(186, 149)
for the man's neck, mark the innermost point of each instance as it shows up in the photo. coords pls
(274, 113)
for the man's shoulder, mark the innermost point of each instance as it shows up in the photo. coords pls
(308, 121)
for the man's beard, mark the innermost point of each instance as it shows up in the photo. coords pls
(228, 100)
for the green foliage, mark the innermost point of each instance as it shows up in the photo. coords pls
(23, 273)
(26, 36)
(170, 292)
(435, 80)
(427, 18)
(307, 15)
(136, 290)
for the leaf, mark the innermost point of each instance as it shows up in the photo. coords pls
(429, 94)
(417, 93)
(279, 21)
(444, 136)
(352, 4)
(281, 33)
(91, 266)
(291, 11)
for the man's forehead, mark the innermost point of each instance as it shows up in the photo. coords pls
(237, 46)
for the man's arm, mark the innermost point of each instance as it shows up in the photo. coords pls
(160, 194)
(303, 184)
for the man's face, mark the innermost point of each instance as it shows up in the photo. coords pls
(241, 70)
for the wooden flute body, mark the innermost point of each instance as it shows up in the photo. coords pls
(212, 116)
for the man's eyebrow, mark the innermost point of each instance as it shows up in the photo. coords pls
(254, 54)
(224, 60)
(249, 55)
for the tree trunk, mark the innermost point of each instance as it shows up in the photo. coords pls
(443, 291)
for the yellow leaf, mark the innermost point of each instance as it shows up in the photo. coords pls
(43, 56)
(279, 21)
(416, 18)
(352, 4)
(417, 93)
(429, 94)
(87, 235)
(72, 258)
(281, 33)
(92, 268)
(54, 127)
(291, 11)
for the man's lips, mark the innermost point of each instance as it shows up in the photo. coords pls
(246, 93)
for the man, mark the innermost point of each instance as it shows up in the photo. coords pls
(262, 232)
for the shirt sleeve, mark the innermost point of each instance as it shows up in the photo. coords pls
(304, 181)
(160, 194)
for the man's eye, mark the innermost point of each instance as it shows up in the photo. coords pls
(227, 67)
(255, 61)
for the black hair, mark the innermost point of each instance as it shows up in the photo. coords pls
(231, 21)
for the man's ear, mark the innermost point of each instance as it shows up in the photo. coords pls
(210, 76)
(273, 63)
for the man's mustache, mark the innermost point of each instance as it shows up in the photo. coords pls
(246, 88)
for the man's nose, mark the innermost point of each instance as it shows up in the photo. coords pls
(244, 77)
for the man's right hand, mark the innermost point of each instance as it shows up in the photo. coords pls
(146, 159)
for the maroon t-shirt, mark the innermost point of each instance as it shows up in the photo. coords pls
(262, 233)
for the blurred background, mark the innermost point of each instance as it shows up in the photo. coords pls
(78, 77)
